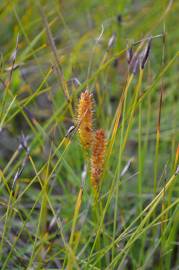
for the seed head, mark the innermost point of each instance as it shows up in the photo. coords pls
(85, 119)
(97, 159)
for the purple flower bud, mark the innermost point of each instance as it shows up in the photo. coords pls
(146, 54)
(129, 54)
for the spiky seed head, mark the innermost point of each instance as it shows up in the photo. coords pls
(97, 159)
(85, 119)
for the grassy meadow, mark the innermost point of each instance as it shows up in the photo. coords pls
(89, 134)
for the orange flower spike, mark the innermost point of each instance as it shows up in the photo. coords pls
(85, 119)
(97, 159)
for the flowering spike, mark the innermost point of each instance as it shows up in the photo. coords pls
(85, 119)
(129, 55)
(97, 159)
(146, 53)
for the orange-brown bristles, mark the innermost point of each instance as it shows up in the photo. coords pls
(85, 119)
(97, 159)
